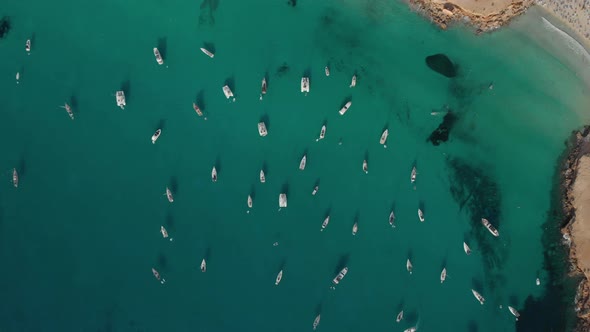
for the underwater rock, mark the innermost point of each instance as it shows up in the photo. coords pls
(441, 133)
(441, 64)
(4, 26)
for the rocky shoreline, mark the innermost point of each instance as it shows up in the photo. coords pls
(579, 147)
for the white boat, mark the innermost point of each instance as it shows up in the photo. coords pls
(316, 322)
(249, 201)
(340, 276)
(322, 133)
(28, 46)
(392, 219)
(466, 248)
(413, 175)
(325, 223)
(164, 232)
(490, 227)
(443, 275)
(538, 281)
(158, 56)
(514, 312)
(400, 316)
(303, 162)
(315, 190)
(411, 329)
(262, 177)
(203, 265)
(327, 70)
(365, 166)
(420, 215)
(14, 178)
(17, 77)
(282, 200)
(409, 266)
(355, 228)
(156, 135)
(198, 110)
(345, 107)
(228, 93)
(478, 296)
(279, 277)
(305, 84)
(169, 195)
(383, 139)
(263, 88)
(120, 97)
(68, 109)
(206, 51)
(353, 82)
(262, 129)
(157, 276)
(214, 174)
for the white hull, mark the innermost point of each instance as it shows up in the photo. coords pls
(327, 71)
(156, 135)
(262, 176)
(263, 88)
(413, 175)
(68, 110)
(14, 178)
(340, 276)
(250, 201)
(120, 98)
(169, 195)
(466, 249)
(28, 46)
(206, 51)
(411, 329)
(383, 139)
(322, 133)
(262, 129)
(283, 200)
(353, 82)
(325, 223)
(316, 322)
(478, 296)
(203, 265)
(159, 59)
(305, 84)
(303, 162)
(409, 266)
(315, 190)
(227, 92)
(279, 277)
(490, 227)
(355, 228)
(392, 219)
(420, 215)
(214, 174)
(164, 232)
(345, 108)
(365, 166)
(400, 316)
(514, 312)
(443, 275)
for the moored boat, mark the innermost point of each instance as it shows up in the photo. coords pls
(443, 275)
(305, 84)
(279, 277)
(478, 296)
(322, 133)
(413, 175)
(262, 129)
(345, 107)
(120, 98)
(392, 219)
(198, 110)
(325, 223)
(420, 215)
(282, 200)
(537, 281)
(340, 276)
(228, 93)
(400, 316)
(303, 162)
(514, 312)
(315, 190)
(355, 228)
(203, 265)
(14, 178)
(206, 51)
(365, 166)
(157, 276)
(169, 195)
(164, 232)
(17, 77)
(411, 329)
(383, 139)
(156, 135)
(262, 176)
(68, 109)
(28, 46)
(466, 249)
(327, 71)
(250, 201)
(263, 88)
(409, 266)
(158, 56)
(353, 82)
(214, 174)
(316, 322)
(490, 227)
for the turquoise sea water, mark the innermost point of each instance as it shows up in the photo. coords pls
(81, 233)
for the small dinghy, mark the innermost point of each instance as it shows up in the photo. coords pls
(156, 135)
(262, 129)
(206, 51)
(466, 249)
(353, 82)
(315, 190)
(316, 322)
(214, 174)
(158, 56)
(383, 139)
(327, 71)
(68, 109)
(420, 215)
(392, 219)
(340, 276)
(263, 88)
(355, 228)
(28, 46)
(203, 265)
(157, 276)
(409, 266)
(443, 275)
(345, 108)
(325, 223)
(400, 316)
(169, 195)
(262, 177)
(305, 84)
(198, 110)
(283, 200)
(228, 93)
(478, 296)
(413, 175)
(514, 312)
(279, 277)
(120, 98)
(490, 227)
(322, 133)
(303, 162)
(250, 201)
(365, 166)
(14, 178)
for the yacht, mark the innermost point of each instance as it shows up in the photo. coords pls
(420, 215)
(443, 275)
(203, 265)
(353, 82)
(120, 97)
(169, 195)
(303, 162)
(14, 178)
(249, 201)
(263, 88)
(17, 77)
(158, 56)
(340, 276)
(383, 139)
(316, 322)
(355, 228)
(327, 70)
(157, 276)
(411, 329)
(279, 277)
(262, 177)
(466, 248)
(490, 227)
(68, 109)
(164, 232)
(345, 108)
(413, 175)
(305, 84)
(365, 166)
(214, 174)
(392, 219)
(409, 266)
(262, 129)
(156, 135)
(478, 296)
(206, 51)
(538, 282)
(28, 46)
(197, 109)
(228, 93)
(325, 223)
(322, 133)
(400, 316)
(514, 312)
(283, 200)
(315, 190)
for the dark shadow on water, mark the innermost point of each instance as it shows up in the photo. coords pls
(5, 26)
(411, 316)
(410, 254)
(22, 166)
(477, 284)
(421, 207)
(200, 100)
(345, 100)
(264, 118)
(366, 156)
(307, 73)
(318, 309)
(174, 184)
(163, 47)
(292, 3)
(472, 326)
(252, 192)
(207, 253)
(74, 104)
(218, 166)
(162, 261)
(282, 70)
(442, 133)
(230, 82)
(285, 189)
(282, 264)
(342, 263)
(265, 168)
(33, 40)
(126, 88)
(400, 306)
(209, 46)
(169, 220)
(161, 125)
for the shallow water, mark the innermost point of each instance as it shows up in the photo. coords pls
(80, 234)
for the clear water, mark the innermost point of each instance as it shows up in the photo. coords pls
(81, 232)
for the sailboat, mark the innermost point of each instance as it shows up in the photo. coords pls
(282, 200)
(263, 88)
(392, 219)
(169, 195)
(279, 277)
(315, 190)
(68, 109)
(305, 85)
(400, 316)
(467, 249)
(420, 215)
(322, 133)
(120, 98)
(478, 296)
(14, 178)
(325, 223)
(345, 107)
(355, 228)
(206, 51)
(409, 266)
(413, 175)
(365, 166)
(490, 227)
(316, 322)
(214, 174)
(250, 201)
(28, 46)
(353, 82)
(327, 71)
(383, 139)
(158, 56)
(443, 275)
(303, 162)
(203, 265)
(514, 312)
(156, 135)
(262, 177)
(164, 232)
